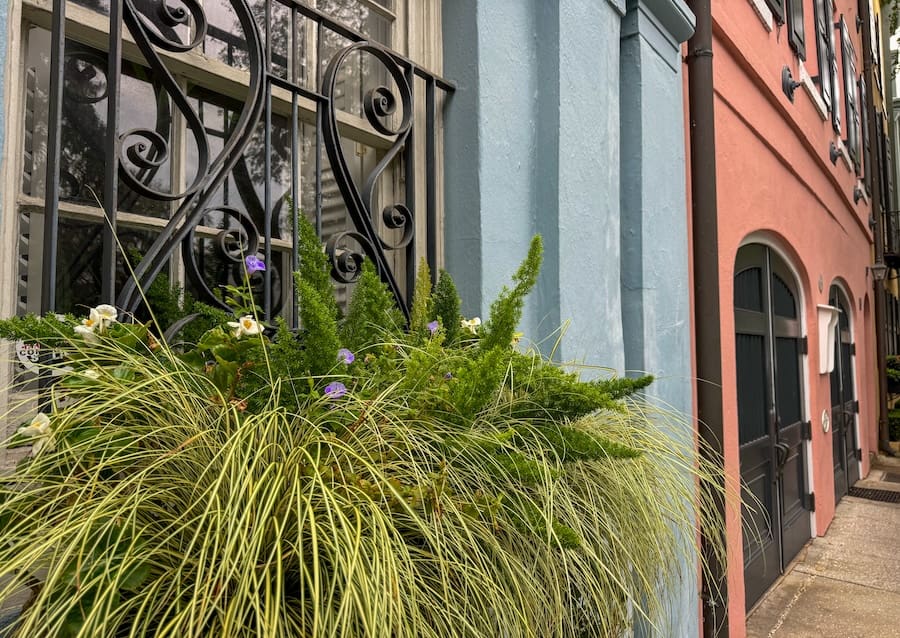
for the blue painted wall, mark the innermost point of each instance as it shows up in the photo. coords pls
(568, 121)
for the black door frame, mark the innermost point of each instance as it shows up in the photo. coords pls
(774, 459)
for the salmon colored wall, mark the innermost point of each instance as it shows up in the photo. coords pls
(776, 185)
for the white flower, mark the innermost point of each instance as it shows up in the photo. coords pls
(104, 314)
(471, 324)
(97, 321)
(39, 429)
(246, 325)
(86, 330)
(91, 374)
(517, 336)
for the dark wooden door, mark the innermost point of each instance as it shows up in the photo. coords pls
(843, 401)
(768, 346)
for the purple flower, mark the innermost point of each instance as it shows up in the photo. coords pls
(448, 375)
(433, 326)
(335, 390)
(254, 264)
(345, 356)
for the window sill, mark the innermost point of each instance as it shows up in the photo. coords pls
(813, 92)
(763, 13)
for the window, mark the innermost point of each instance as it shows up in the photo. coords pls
(851, 98)
(795, 27)
(778, 9)
(791, 11)
(227, 117)
(826, 59)
(864, 121)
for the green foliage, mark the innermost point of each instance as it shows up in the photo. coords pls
(320, 345)
(506, 311)
(446, 305)
(421, 486)
(50, 331)
(372, 315)
(894, 424)
(422, 312)
(314, 266)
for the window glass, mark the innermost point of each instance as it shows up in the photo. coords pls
(83, 156)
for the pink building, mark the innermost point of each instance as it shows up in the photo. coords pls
(795, 242)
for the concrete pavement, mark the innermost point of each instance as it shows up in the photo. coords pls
(845, 584)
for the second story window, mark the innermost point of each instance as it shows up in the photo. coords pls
(796, 32)
(791, 12)
(826, 59)
(851, 97)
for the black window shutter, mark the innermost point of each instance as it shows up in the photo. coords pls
(851, 101)
(795, 27)
(823, 27)
(835, 103)
(777, 7)
(864, 121)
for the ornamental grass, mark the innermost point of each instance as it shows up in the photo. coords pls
(361, 477)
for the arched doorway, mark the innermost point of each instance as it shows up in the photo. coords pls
(844, 406)
(769, 349)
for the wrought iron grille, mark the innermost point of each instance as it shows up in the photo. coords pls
(234, 190)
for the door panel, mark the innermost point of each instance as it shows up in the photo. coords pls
(770, 413)
(843, 401)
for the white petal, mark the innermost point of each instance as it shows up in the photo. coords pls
(107, 312)
(87, 334)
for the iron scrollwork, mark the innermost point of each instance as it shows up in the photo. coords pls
(378, 104)
(210, 173)
(161, 28)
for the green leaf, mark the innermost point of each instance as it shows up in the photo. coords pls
(135, 577)
(212, 338)
(123, 373)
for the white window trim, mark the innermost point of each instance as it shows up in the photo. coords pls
(813, 92)
(763, 13)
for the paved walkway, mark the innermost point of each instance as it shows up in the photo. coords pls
(845, 584)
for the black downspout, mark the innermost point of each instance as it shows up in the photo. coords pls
(873, 168)
(707, 327)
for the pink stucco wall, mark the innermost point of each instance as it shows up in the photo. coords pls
(776, 185)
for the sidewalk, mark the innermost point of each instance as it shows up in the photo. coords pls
(845, 584)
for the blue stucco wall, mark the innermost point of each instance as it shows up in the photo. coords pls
(568, 121)
(654, 237)
(531, 146)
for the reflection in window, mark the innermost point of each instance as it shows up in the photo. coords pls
(83, 154)
(78, 276)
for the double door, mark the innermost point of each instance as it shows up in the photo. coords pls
(845, 448)
(769, 349)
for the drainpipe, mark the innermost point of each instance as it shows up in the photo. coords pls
(707, 326)
(873, 168)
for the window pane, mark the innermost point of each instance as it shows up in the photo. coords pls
(79, 255)
(226, 41)
(83, 157)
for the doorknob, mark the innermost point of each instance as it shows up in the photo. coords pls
(784, 450)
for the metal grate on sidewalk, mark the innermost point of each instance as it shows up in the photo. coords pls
(885, 496)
